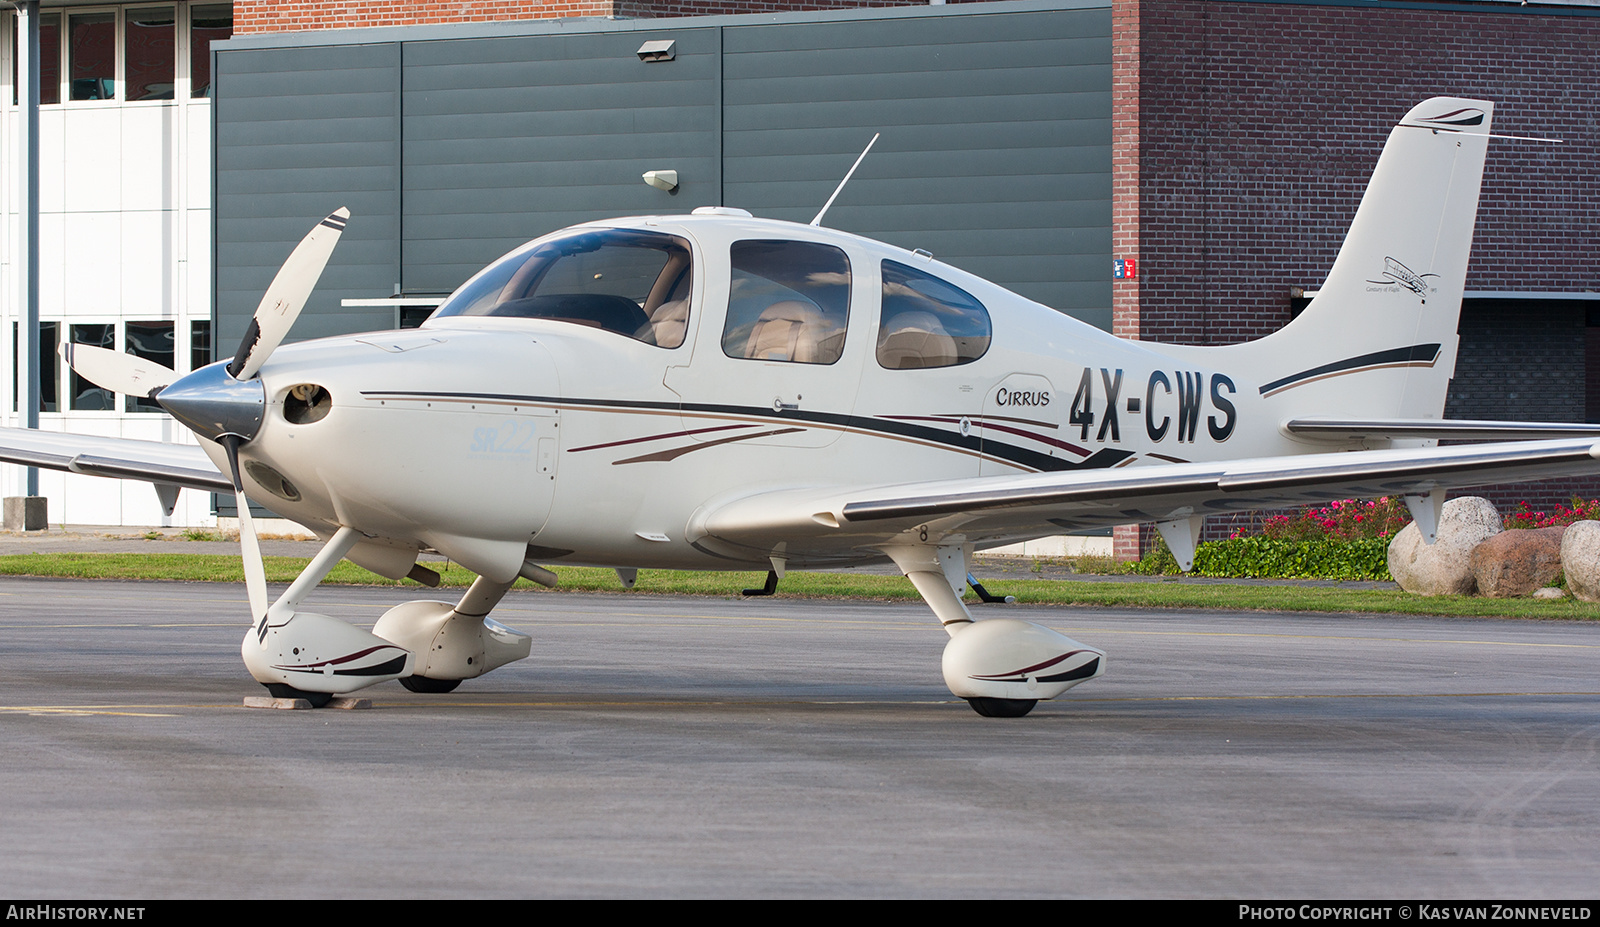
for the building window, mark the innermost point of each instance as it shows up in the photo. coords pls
(92, 55)
(49, 58)
(138, 43)
(199, 343)
(86, 396)
(49, 337)
(208, 22)
(150, 52)
(48, 373)
(152, 341)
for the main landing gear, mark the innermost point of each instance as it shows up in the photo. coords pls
(1003, 667)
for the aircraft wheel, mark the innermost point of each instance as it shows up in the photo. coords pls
(424, 684)
(281, 690)
(1002, 707)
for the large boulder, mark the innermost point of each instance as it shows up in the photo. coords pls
(1517, 562)
(1580, 559)
(1445, 566)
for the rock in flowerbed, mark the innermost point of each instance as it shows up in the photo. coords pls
(1518, 561)
(1445, 566)
(1580, 558)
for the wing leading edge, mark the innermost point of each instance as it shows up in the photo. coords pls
(182, 465)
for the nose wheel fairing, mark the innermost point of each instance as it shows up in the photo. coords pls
(316, 653)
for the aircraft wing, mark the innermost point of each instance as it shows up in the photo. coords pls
(817, 525)
(183, 465)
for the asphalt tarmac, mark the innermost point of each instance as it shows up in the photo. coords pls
(698, 747)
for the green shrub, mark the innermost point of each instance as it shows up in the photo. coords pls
(1274, 558)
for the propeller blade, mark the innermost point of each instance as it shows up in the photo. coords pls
(287, 296)
(116, 371)
(255, 571)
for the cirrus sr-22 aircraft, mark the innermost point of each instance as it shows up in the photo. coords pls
(721, 392)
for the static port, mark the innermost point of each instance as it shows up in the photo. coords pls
(307, 403)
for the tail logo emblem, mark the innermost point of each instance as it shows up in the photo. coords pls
(1398, 274)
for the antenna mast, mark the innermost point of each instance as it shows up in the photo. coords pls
(818, 220)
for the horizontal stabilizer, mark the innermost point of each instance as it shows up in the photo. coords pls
(1345, 429)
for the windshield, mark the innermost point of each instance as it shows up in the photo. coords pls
(629, 282)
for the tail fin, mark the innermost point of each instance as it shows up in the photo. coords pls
(1393, 298)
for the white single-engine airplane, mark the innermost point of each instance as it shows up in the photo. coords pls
(720, 392)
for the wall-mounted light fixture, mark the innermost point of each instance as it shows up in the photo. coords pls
(658, 50)
(662, 180)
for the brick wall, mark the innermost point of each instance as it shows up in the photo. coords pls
(644, 9)
(1261, 123)
(252, 16)
(1125, 163)
(1259, 126)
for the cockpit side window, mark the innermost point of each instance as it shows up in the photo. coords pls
(630, 282)
(787, 301)
(927, 322)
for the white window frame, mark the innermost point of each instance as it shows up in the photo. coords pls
(182, 50)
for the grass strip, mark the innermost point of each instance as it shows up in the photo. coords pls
(1170, 593)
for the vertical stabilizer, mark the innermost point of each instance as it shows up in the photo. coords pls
(1393, 298)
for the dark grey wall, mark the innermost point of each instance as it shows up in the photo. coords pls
(1522, 360)
(996, 140)
(298, 133)
(507, 139)
(452, 147)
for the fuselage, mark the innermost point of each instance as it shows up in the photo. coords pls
(538, 407)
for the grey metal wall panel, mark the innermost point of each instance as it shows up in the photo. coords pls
(299, 133)
(507, 139)
(996, 146)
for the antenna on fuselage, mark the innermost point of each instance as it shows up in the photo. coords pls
(818, 220)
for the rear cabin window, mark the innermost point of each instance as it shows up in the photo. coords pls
(787, 301)
(927, 322)
(632, 283)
